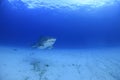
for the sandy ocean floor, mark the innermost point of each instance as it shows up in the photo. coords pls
(77, 64)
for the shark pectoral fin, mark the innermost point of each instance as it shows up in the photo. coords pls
(50, 47)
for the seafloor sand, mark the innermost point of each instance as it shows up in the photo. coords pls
(31, 64)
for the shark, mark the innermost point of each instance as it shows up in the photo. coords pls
(45, 43)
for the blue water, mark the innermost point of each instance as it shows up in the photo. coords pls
(87, 45)
(72, 28)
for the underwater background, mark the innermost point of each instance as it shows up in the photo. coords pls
(87, 34)
(73, 28)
